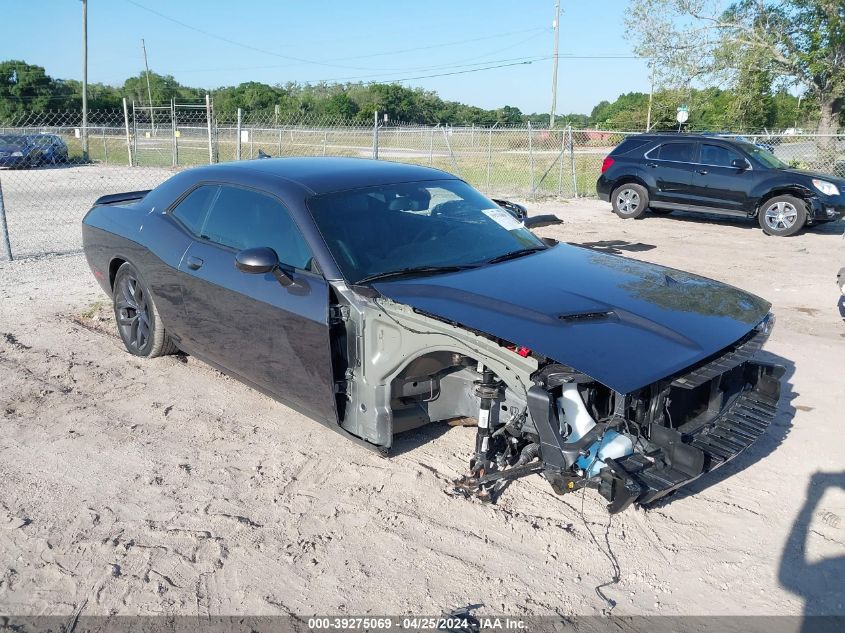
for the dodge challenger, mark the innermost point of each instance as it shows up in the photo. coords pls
(378, 297)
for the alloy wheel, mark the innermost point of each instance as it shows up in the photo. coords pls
(132, 313)
(781, 216)
(628, 201)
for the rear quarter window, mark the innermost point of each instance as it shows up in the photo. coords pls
(628, 145)
(191, 211)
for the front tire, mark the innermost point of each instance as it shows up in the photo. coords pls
(782, 216)
(135, 313)
(629, 201)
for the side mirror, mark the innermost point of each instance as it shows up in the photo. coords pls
(740, 163)
(260, 260)
(256, 260)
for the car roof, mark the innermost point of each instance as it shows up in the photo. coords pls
(675, 136)
(329, 174)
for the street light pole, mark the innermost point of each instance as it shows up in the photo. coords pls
(650, 99)
(85, 80)
(556, 25)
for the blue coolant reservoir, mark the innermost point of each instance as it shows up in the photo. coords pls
(612, 445)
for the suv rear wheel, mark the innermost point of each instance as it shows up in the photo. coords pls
(630, 200)
(782, 215)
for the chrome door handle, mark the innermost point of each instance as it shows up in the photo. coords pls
(194, 263)
(651, 165)
(703, 172)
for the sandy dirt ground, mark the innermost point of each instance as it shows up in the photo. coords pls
(163, 487)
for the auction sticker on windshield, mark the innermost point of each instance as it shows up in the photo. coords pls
(503, 218)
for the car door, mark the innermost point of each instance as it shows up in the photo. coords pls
(672, 164)
(273, 336)
(717, 183)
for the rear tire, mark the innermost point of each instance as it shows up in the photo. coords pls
(629, 201)
(137, 318)
(782, 216)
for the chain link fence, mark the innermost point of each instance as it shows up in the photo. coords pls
(53, 167)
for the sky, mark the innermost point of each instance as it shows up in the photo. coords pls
(210, 43)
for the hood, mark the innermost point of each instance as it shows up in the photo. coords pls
(12, 147)
(839, 182)
(622, 322)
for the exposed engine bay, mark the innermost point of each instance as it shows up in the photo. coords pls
(535, 416)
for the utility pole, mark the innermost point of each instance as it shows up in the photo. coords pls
(650, 99)
(556, 26)
(85, 80)
(149, 91)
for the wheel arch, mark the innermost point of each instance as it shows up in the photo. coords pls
(115, 263)
(797, 191)
(629, 179)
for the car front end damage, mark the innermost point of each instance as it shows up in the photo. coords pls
(641, 446)
(402, 368)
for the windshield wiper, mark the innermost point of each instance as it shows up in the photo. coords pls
(414, 270)
(515, 254)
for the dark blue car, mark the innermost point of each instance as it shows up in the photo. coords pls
(379, 297)
(32, 150)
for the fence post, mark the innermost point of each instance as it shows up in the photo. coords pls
(238, 140)
(280, 141)
(325, 140)
(451, 153)
(134, 133)
(375, 135)
(208, 121)
(128, 136)
(4, 228)
(489, 155)
(431, 148)
(105, 148)
(560, 167)
(531, 160)
(174, 150)
(572, 163)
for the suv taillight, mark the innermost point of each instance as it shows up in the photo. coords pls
(606, 163)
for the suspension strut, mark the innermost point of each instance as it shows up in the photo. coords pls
(487, 389)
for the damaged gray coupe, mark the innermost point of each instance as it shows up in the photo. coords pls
(379, 297)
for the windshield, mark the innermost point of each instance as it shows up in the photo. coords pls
(764, 156)
(11, 139)
(431, 224)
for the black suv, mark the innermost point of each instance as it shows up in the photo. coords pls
(687, 172)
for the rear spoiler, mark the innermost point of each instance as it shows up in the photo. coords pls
(536, 221)
(115, 198)
(521, 213)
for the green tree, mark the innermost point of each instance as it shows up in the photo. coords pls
(799, 42)
(341, 106)
(163, 88)
(25, 87)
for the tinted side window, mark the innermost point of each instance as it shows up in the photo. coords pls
(679, 152)
(240, 218)
(717, 155)
(192, 210)
(628, 145)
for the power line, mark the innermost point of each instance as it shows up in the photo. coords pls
(235, 42)
(418, 69)
(499, 49)
(515, 62)
(327, 63)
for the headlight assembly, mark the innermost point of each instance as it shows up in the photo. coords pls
(827, 188)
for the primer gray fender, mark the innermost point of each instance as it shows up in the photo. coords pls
(387, 337)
